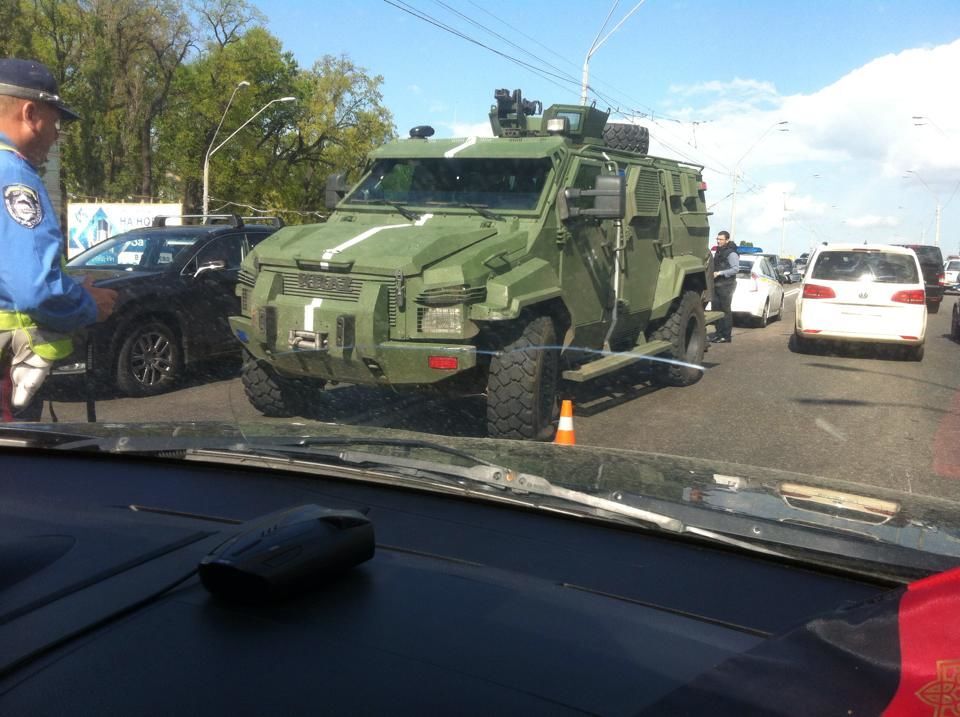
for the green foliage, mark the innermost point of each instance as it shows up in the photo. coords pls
(152, 80)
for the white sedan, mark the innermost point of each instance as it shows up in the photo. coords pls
(759, 293)
(869, 293)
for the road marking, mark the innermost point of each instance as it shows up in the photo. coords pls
(460, 147)
(329, 254)
(792, 292)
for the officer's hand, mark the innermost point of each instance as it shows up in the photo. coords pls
(104, 298)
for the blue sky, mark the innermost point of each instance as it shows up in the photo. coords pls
(710, 80)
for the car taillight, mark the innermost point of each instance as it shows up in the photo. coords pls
(815, 291)
(940, 278)
(910, 296)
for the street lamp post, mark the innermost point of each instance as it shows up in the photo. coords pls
(936, 236)
(779, 126)
(234, 134)
(596, 46)
(206, 159)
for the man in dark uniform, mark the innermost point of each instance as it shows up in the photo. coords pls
(726, 264)
(40, 305)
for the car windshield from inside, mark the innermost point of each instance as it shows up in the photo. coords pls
(139, 250)
(875, 266)
(493, 183)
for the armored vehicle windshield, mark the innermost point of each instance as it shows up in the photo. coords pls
(497, 183)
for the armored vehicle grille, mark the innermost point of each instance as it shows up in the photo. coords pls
(448, 295)
(338, 287)
(324, 286)
(246, 278)
(648, 193)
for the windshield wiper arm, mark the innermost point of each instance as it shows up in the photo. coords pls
(407, 213)
(481, 210)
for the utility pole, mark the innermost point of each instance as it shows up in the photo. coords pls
(596, 46)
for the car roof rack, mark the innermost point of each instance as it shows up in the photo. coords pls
(235, 219)
(273, 221)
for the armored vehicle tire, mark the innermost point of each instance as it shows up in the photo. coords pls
(522, 384)
(273, 395)
(686, 331)
(150, 360)
(628, 137)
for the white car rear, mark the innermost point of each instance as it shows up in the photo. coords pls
(864, 293)
(758, 291)
(951, 274)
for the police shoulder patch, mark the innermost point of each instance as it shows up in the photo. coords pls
(23, 204)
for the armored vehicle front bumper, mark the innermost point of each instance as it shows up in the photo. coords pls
(349, 340)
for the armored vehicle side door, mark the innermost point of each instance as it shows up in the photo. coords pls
(586, 263)
(646, 237)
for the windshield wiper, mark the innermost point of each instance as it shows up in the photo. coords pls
(480, 209)
(408, 214)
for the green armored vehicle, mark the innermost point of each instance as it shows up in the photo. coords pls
(554, 252)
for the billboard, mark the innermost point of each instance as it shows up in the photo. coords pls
(89, 223)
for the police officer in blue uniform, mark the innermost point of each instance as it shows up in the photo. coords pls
(40, 305)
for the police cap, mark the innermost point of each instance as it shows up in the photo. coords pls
(31, 80)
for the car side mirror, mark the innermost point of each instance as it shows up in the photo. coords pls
(336, 189)
(609, 203)
(215, 265)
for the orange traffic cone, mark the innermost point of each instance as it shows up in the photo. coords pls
(565, 435)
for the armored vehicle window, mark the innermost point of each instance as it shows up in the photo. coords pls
(496, 183)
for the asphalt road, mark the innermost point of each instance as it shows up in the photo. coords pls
(865, 416)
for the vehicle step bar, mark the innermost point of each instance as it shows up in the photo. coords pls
(615, 362)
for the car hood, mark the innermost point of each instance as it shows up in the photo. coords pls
(376, 245)
(688, 488)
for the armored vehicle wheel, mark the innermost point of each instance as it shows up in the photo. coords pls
(522, 384)
(686, 331)
(628, 137)
(150, 359)
(272, 394)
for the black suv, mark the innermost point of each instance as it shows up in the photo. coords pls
(931, 263)
(176, 288)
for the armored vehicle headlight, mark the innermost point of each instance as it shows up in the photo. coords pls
(441, 320)
(558, 125)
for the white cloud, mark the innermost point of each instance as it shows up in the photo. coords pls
(843, 161)
(415, 89)
(467, 129)
(870, 221)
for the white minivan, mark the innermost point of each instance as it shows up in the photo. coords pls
(870, 293)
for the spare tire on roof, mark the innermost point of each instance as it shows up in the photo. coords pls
(628, 137)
